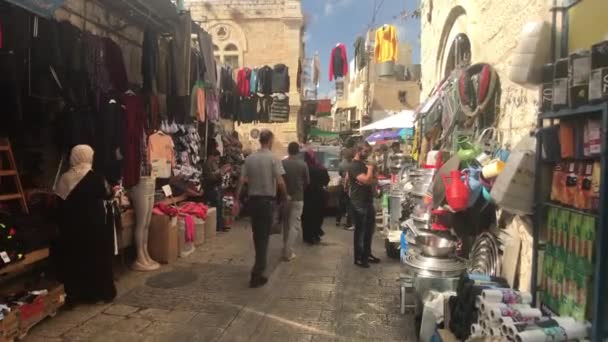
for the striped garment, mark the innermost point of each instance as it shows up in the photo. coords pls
(279, 110)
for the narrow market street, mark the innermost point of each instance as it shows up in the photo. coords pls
(320, 296)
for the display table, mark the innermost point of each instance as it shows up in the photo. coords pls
(30, 259)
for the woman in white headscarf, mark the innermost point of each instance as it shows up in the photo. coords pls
(86, 237)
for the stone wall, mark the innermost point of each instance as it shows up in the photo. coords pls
(493, 28)
(267, 32)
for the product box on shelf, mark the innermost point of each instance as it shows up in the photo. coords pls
(546, 88)
(598, 77)
(560, 84)
(579, 67)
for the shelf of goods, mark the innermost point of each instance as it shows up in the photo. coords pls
(568, 218)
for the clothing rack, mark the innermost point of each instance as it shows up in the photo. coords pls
(110, 30)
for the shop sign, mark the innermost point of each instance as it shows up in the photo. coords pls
(43, 8)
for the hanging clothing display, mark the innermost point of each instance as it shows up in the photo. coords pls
(280, 79)
(206, 45)
(386, 44)
(253, 81)
(338, 63)
(187, 143)
(149, 60)
(115, 65)
(109, 132)
(135, 117)
(198, 102)
(360, 54)
(265, 75)
(279, 109)
(181, 55)
(243, 82)
(263, 109)
(212, 105)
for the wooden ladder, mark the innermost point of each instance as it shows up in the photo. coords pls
(5, 148)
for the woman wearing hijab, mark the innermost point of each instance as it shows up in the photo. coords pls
(314, 200)
(86, 237)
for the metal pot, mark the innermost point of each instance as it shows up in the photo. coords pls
(435, 246)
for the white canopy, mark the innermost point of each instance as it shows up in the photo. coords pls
(403, 119)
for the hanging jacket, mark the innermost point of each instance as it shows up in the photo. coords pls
(386, 44)
(253, 81)
(360, 54)
(338, 64)
(265, 80)
(243, 87)
(280, 79)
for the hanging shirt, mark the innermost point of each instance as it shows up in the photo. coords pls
(386, 44)
(253, 81)
(197, 103)
(162, 155)
(316, 70)
(360, 54)
(338, 64)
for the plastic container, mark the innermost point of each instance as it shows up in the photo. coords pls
(457, 192)
(493, 168)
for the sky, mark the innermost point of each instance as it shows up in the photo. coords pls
(342, 21)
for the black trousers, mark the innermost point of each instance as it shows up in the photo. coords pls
(344, 208)
(260, 210)
(365, 220)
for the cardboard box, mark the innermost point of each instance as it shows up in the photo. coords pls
(211, 224)
(9, 326)
(199, 226)
(162, 239)
(125, 235)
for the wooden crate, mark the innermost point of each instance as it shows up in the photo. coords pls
(9, 326)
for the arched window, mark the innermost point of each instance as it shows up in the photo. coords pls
(231, 47)
(460, 53)
(230, 55)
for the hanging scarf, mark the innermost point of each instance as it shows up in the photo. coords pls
(81, 162)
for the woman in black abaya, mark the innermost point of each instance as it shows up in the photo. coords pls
(314, 200)
(86, 237)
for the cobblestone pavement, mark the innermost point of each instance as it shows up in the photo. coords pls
(319, 297)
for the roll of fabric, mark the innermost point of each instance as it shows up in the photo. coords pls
(531, 336)
(478, 300)
(476, 330)
(554, 330)
(487, 307)
(507, 296)
(523, 314)
(513, 328)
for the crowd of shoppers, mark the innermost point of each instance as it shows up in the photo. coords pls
(299, 184)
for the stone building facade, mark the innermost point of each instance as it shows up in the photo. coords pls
(493, 29)
(253, 34)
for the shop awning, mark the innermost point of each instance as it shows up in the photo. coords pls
(43, 8)
(404, 119)
(157, 14)
(315, 132)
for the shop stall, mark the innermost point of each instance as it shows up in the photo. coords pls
(142, 92)
(514, 245)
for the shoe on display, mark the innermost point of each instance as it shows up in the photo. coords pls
(349, 228)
